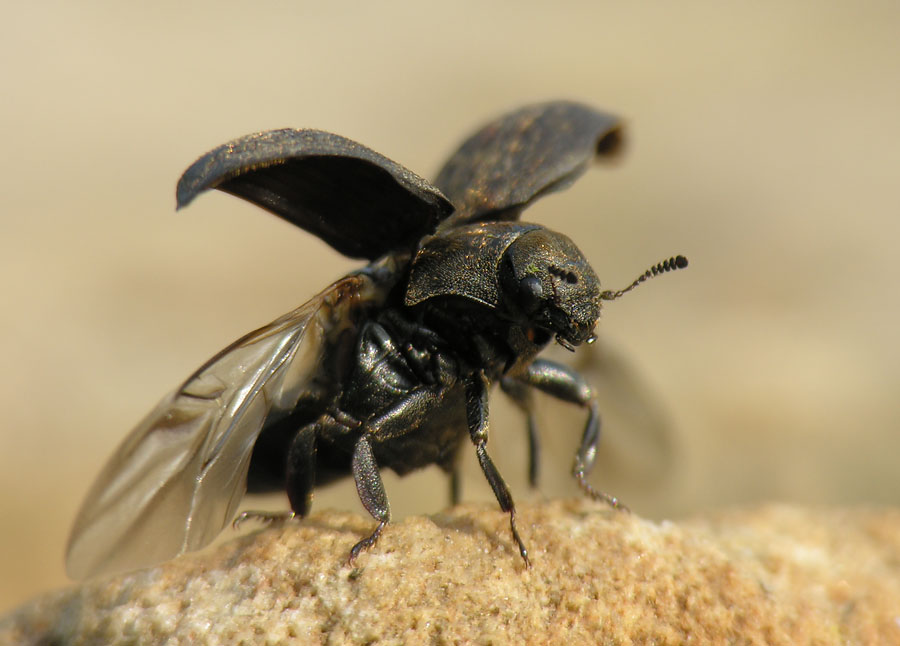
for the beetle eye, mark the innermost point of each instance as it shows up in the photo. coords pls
(530, 292)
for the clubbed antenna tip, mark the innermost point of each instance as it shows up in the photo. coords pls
(678, 262)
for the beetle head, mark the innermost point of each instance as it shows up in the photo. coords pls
(548, 284)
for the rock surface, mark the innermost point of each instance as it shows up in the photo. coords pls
(770, 575)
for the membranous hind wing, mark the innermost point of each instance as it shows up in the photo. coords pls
(358, 201)
(178, 478)
(523, 155)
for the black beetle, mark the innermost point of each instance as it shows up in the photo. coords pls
(389, 366)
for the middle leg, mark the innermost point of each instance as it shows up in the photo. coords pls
(477, 418)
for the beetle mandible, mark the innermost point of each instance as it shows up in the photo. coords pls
(390, 366)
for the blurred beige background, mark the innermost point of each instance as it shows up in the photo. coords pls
(765, 145)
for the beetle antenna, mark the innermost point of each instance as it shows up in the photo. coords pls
(678, 262)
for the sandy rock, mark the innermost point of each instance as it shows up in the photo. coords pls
(771, 575)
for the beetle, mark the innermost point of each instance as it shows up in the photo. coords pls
(390, 366)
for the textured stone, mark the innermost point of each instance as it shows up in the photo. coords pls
(770, 575)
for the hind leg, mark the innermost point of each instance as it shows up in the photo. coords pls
(299, 480)
(371, 492)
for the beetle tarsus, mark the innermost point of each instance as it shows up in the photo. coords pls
(523, 551)
(264, 517)
(600, 496)
(366, 543)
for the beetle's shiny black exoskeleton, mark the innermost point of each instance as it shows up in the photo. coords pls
(389, 366)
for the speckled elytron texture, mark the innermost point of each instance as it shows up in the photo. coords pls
(772, 575)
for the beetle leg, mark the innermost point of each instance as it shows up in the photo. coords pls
(300, 478)
(455, 486)
(265, 517)
(566, 384)
(521, 397)
(301, 469)
(477, 417)
(371, 492)
(268, 462)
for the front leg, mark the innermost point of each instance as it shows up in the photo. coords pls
(477, 418)
(568, 385)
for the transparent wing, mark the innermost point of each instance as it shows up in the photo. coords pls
(358, 201)
(178, 478)
(523, 155)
